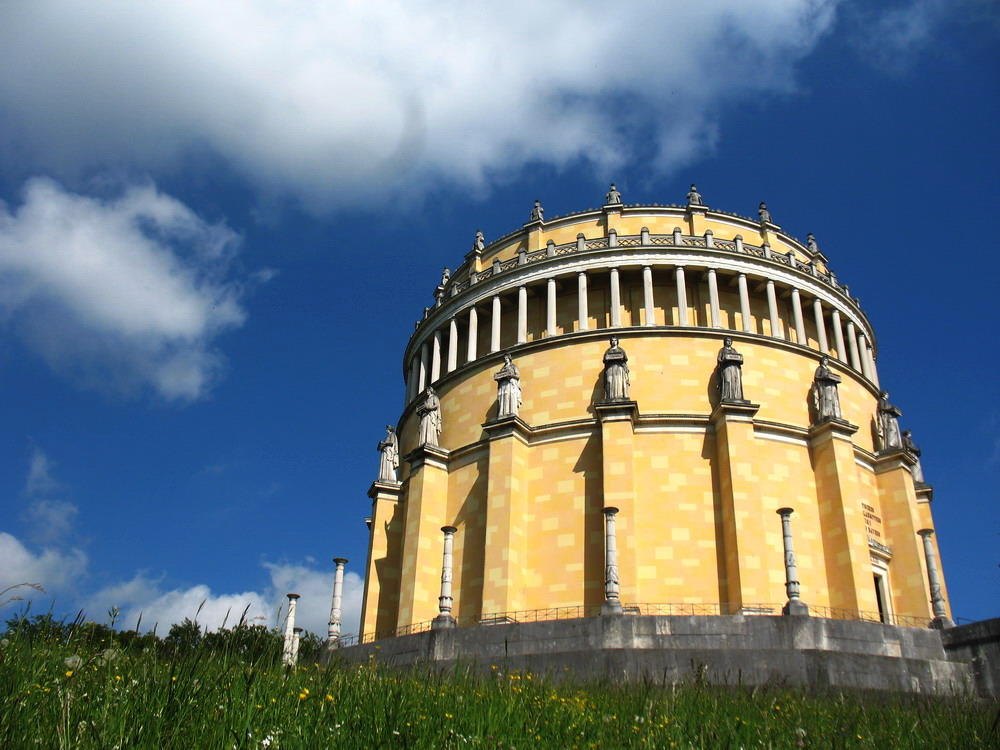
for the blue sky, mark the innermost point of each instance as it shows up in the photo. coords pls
(219, 223)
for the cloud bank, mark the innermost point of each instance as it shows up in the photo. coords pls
(334, 103)
(126, 293)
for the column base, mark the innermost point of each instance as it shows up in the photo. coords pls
(611, 607)
(443, 621)
(941, 623)
(332, 643)
(795, 608)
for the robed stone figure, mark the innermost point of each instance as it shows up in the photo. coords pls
(616, 380)
(888, 423)
(730, 373)
(826, 399)
(613, 197)
(389, 456)
(508, 380)
(913, 449)
(694, 197)
(429, 412)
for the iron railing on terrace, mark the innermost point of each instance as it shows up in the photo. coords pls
(670, 609)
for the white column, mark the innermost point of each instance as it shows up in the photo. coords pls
(941, 619)
(794, 605)
(495, 325)
(522, 314)
(800, 328)
(425, 364)
(445, 601)
(582, 314)
(414, 380)
(647, 295)
(682, 298)
(333, 632)
(612, 604)
(452, 344)
(852, 341)
(838, 335)
(874, 368)
(824, 345)
(744, 303)
(772, 308)
(470, 354)
(436, 357)
(289, 652)
(616, 299)
(866, 368)
(550, 307)
(713, 298)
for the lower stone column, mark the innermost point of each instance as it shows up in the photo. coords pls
(550, 307)
(743, 512)
(426, 506)
(380, 602)
(741, 283)
(852, 343)
(506, 541)
(471, 353)
(452, 344)
(333, 627)
(824, 345)
(495, 324)
(794, 605)
(445, 619)
(289, 650)
(682, 298)
(647, 295)
(522, 314)
(941, 619)
(838, 335)
(612, 604)
(841, 517)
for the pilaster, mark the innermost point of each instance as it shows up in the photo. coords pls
(612, 217)
(426, 505)
(506, 542)
(533, 230)
(380, 602)
(696, 220)
(841, 519)
(900, 523)
(618, 420)
(743, 514)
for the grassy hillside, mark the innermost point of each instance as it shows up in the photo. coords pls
(90, 687)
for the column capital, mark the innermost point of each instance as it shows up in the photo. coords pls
(449, 529)
(609, 510)
(831, 428)
(507, 426)
(783, 512)
(382, 490)
(729, 411)
(340, 560)
(617, 411)
(926, 532)
(432, 455)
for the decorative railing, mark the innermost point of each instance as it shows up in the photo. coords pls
(645, 240)
(670, 609)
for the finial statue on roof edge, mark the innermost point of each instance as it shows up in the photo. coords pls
(480, 242)
(613, 197)
(764, 214)
(694, 197)
(537, 213)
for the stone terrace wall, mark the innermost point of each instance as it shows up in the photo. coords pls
(724, 650)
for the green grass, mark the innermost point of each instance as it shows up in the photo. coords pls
(199, 697)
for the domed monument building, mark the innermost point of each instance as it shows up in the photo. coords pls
(639, 413)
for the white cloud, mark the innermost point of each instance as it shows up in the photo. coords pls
(40, 480)
(50, 568)
(338, 102)
(144, 596)
(126, 293)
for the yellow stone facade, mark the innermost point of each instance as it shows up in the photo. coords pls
(697, 483)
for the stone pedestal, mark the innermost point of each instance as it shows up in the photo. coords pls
(385, 528)
(618, 420)
(506, 543)
(425, 508)
(743, 512)
(841, 517)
